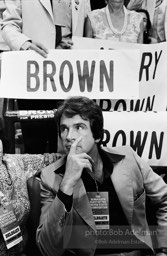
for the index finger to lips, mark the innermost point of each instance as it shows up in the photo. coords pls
(74, 145)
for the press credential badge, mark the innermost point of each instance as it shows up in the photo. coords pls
(100, 208)
(9, 227)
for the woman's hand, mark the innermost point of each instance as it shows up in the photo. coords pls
(39, 48)
(65, 45)
(35, 46)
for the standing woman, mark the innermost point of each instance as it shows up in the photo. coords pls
(147, 39)
(158, 16)
(116, 23)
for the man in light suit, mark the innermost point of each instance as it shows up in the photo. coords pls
(40, 25)
(93, 199)
(31, 24)
(158, 16)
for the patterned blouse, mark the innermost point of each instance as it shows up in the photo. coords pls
(103, 28)
(14, 173)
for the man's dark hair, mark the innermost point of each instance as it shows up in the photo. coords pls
(87, 109)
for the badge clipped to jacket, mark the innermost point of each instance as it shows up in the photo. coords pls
(100, 208)
(9, 226)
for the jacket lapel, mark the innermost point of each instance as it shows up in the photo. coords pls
(48, 174)
(121, 179)
(81, 201)
(151, 8)
(82, 205)
(47, 5)
(123, 186)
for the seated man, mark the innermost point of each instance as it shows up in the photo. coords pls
(93, 199)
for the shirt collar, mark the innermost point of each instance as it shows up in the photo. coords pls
(113, 157)
(109, 159)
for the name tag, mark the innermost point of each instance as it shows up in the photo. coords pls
(100, 208)
(9, 227)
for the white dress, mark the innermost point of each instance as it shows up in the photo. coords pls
(103, 28)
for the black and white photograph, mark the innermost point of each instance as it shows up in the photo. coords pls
(83, 128)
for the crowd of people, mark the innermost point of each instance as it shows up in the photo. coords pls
(157, 10)
(86, 183)
(39, 26)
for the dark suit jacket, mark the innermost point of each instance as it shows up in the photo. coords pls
(132, 178)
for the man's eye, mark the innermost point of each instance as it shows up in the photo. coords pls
(63, 129)
(79, 127)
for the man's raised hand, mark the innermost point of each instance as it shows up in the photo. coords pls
(75, 164)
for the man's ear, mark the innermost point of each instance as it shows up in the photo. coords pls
(97, 140)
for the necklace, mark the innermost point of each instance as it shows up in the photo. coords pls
(115, 31)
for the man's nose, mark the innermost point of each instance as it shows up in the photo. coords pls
(72, 135)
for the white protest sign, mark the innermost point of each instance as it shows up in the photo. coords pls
(92, 73)
(152, 73)
(145, 132)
